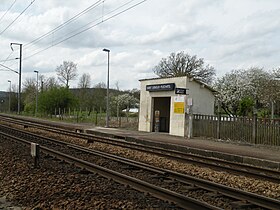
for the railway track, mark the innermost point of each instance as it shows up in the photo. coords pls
(217, 164)
(164, 184)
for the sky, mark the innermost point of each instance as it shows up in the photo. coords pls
(228, 34)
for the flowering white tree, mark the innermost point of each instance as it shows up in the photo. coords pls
(274, 85)
(252, 84)
(230, 91)
(125, 101)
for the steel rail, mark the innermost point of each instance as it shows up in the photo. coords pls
(225, 190)
(97, 153)
(158, 192)
(256, 172)
(93, 152)
(222, 189)
(233, 167)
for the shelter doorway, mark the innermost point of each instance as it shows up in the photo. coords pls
(161, 104)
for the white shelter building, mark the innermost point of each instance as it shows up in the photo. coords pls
(165, 103)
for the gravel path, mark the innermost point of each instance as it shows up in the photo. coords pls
(56, 185)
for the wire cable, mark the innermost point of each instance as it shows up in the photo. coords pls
(93, 6)
(17, 17)
(91, 26)
(4, 61)
(7, 60)
(91, 22)
(8, 10)
(9, 69)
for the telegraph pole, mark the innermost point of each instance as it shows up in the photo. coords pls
(36, 109)
(10, 95)
(107, 101)
(19, 79)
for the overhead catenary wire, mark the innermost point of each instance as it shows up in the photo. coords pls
(91, 26)
(17, 17)
(11, 59)
(7, 59)
(92, 6)
(7, 10)
(8, 68)
(80, 29)
(75, 17)
(10, 65)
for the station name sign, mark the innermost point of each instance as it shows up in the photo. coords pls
(160, 87)
(182, 91)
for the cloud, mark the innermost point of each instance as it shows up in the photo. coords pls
(227, 34)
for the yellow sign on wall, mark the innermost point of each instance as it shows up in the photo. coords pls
(179, 104)
(179, 107)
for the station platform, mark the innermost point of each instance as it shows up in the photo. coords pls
(258, 155)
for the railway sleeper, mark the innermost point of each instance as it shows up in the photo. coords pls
(89, 141)
(47, 156)
(214, 194)
(161, 177)
(243, 205)
(169, 181)
(132, 168)
(84, 171)
(186, 189)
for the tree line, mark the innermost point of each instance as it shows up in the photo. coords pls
(241, 92)
(55, 95)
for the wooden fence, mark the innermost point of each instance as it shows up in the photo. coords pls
(242, 129)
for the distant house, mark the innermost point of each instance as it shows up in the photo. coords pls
(3, 94)
(166, 102)
(131, 110)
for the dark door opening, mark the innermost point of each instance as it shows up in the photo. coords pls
(162, 104)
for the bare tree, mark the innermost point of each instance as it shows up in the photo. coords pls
(51, 82)
(100, 85)
(28, 94)
(29, 82)
(66, 72)
(84, 81)
(182, 64)
(47, 83)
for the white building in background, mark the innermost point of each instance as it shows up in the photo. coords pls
(165, 103)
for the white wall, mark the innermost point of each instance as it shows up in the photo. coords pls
(203, 98)
(203, 103)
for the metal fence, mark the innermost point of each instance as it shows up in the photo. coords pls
(98, 119)
(243, 129)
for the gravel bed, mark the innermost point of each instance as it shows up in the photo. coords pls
(253, 185)
(56, 185)
(261, 187)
